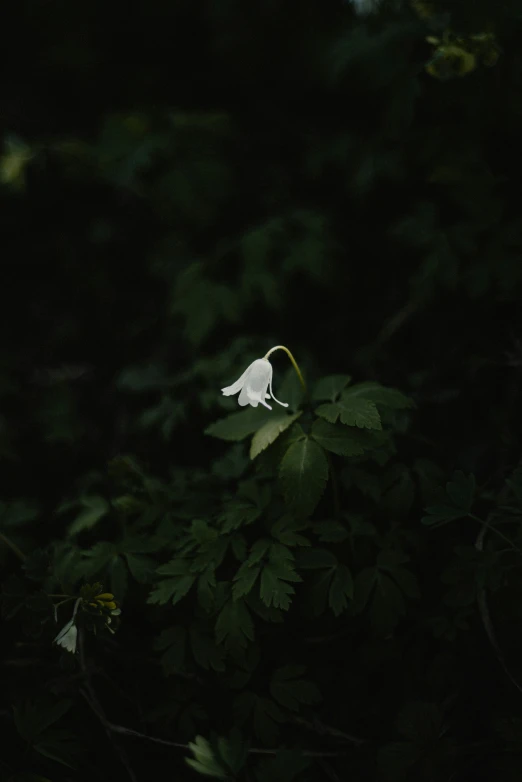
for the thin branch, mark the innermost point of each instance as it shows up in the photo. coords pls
(177, 745)
(14, 548)
(327, 730)
(93, 702)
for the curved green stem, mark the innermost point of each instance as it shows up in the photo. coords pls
(487, 525)
(292, 359)
(14, 548)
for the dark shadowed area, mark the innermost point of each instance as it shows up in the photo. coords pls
(329, 590)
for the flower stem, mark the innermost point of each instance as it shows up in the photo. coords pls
(14, 548)
(292, 359)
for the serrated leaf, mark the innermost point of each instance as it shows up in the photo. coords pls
(141, 567)
(234, 626)
(173, 589)
(274, 589)
(330, 412)
(207, 653)
(290, 691)
(245, 579)
(287, 529)
(238, 426)
(94, 509)
(237, 513)
(360, 412)
(338, 440)
(383, 397)
(304, 474)
(354, 411)
(341, 590)
(233, 751)
(330, 387)
(270, 431)
(330, 531)
(205, 761)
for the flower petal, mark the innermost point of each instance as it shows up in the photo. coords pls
(283, 404)
(238, 385)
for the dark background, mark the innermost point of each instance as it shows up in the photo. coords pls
(186, 184)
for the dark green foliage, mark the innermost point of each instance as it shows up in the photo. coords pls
(321, 592)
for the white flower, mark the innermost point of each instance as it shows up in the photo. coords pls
(364, 7)
(68, 636)
(253, 384)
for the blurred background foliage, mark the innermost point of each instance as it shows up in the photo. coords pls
(185, 184)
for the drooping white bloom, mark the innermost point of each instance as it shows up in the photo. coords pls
(365, 7)
(253, 385)
(68, 636)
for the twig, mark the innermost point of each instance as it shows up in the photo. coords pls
(320, 727)
(14, 548)
(91, 699)
(177, 745)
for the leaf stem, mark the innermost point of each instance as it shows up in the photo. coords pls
(14, 548)
(292, 359)
(494, 529)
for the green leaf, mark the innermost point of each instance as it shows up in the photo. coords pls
(33, 717)
(336, 439)
(441, 514)
(379, 591)
(274, 589)
(352, 412)
(205, 761)
(341, 590)
(17, 513)
(330, 387)
(234, 626)
(60, 745)
(267, 715)
(245, 579)
(383, 397)
(265, 712)
(173, 589)
(270, 431)
(233, 751)
(330, 531)
(94, 509)
(238, 426)
(207, 587)
(357, 411)
(457, 501)
(287, 530)
(290, 691)
(141, 567)
(237, 513)
(207, 653)
(304, 474)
